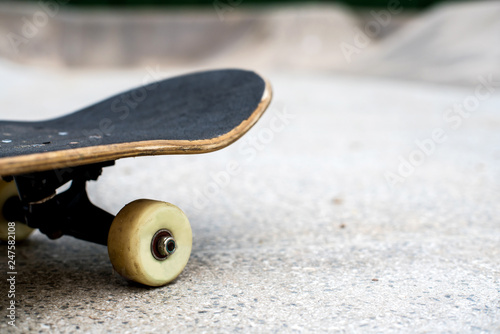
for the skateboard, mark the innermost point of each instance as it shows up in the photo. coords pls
(148, 241)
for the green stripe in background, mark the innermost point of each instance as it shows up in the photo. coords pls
(415, 4)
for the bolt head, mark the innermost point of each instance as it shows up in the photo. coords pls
(166, 246)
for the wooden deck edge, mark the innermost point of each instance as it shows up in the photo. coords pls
(87, 155)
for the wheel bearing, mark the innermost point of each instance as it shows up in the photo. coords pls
(163, 245)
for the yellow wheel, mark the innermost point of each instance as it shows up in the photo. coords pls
(7, 191)
(150, 242)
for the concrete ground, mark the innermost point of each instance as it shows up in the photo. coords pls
(312, 234)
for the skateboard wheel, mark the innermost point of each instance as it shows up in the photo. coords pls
(22, 231)
(150, 242)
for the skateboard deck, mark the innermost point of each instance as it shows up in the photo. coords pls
(194, 113)
(148, 241)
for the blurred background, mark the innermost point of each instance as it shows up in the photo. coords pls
(352, 217)
(437, 41)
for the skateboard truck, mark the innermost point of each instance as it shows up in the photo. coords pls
(156, 227)
(68, 213)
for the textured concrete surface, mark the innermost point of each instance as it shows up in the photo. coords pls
(308, 236)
